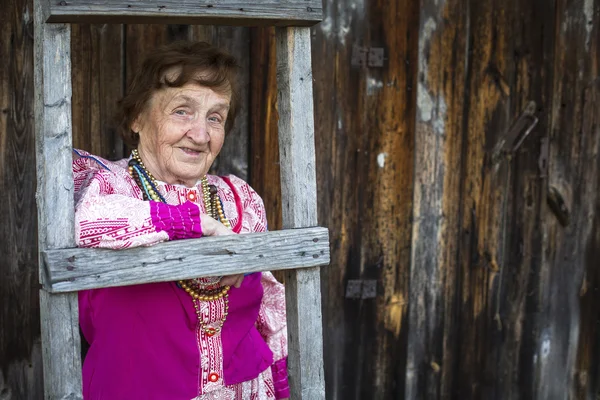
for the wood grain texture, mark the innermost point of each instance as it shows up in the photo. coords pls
(568, 336)
(520, 296)
(436, 195)
(299, 205)
(80, 268)
(296, 128)
(56, 225)
(218, 12)
(383, 176)
(20, 352)
(97, 80)
(486, 214)
(500, 239)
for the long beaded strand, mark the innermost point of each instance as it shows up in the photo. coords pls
(212, 203)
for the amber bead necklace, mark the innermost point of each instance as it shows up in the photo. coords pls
(212, 203)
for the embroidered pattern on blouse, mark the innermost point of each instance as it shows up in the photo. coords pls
(211, 349)
(261, 388)
(110, 213)
(271, 322)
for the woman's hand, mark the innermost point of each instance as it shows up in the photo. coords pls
(212, 227)
(232, 280)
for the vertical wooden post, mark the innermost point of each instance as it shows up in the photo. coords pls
(299, 208)
(59, 313)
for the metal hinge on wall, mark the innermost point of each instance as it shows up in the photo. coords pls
(361, 289)
(373, 57)
(510, 142)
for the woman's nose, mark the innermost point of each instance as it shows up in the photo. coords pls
(198, 131)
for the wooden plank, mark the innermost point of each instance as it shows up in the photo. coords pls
(97, 80)
(60, 320)
(440, 98)
(79, 268)
(20, 352)
(567, 340)
(217, 12)
(299, 204)
(380, 185)
(511, 46)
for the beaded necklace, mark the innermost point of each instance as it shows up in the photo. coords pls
(212, 203)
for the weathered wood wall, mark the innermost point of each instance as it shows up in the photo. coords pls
(481, 292)
(457, 271)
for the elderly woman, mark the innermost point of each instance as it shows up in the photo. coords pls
(205, 338)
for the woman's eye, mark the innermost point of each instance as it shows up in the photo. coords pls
(214, 119)
(180, 112)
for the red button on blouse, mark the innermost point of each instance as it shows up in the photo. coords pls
(191, 196)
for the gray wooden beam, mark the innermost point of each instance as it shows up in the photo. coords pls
(218, 12)
(56, 227)
(79, 268)
(299, 207)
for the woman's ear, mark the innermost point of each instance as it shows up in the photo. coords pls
(135, 125)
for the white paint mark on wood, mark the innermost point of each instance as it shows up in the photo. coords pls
(373, 86)
(424, 103)
(337, 22)
(381, 159)
(439, 119)
(26, 16)
(326, 26)
(347, 13)
(588, 12)
(545, 347)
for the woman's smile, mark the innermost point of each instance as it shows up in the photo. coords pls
(190, 152)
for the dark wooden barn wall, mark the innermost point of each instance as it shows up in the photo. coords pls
(20, 351)
(512, 290)
(482, 292)
(455, 274)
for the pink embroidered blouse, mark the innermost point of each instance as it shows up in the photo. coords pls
(145, 340)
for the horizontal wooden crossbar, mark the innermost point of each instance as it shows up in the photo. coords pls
(217, 12)
(74, 269)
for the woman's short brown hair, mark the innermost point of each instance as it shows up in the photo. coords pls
(196, 62)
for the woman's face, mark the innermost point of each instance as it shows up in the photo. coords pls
(181, 132)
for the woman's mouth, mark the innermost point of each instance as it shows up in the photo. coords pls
(190, 152)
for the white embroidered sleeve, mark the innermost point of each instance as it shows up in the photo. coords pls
(108, 213)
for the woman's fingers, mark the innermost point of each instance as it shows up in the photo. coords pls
(212, 227)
